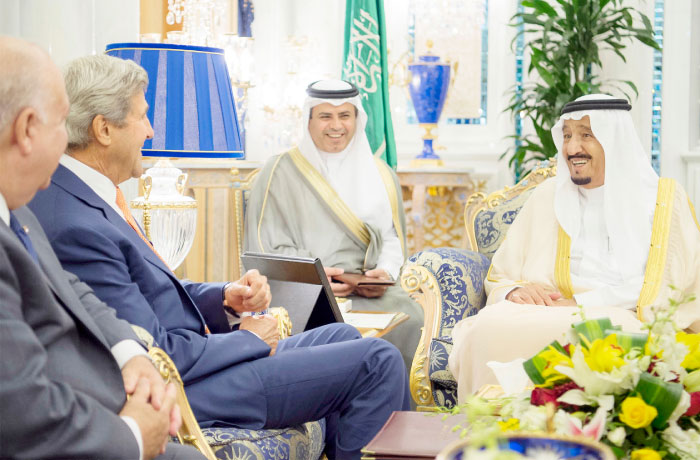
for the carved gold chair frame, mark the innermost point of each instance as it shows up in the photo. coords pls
(423, 287)
(479, 201)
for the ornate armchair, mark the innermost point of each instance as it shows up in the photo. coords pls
(449, 284)
(300, 442)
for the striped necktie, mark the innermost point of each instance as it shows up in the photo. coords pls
(121, 202)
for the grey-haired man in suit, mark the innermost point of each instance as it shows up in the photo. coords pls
(67, 363)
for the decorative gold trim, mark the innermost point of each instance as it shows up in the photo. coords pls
(562, 265)
(140, 48)
(262, 209)
(284, 322)
(656, 262)
(330, 196)
(426, 163)
(692, 212)
(240, 187)
(189, 432)
(388, 180)
(422, 286)
(479, 201)
(162, 205)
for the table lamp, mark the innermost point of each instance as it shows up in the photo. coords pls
(193, 114)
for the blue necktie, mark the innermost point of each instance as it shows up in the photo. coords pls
(23, 237)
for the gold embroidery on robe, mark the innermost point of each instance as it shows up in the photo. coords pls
(660, 231)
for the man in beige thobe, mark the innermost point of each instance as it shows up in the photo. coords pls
(607, 234)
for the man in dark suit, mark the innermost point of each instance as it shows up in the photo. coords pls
(66, 362)
(246, 378)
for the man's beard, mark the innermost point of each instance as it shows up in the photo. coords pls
(581, 180)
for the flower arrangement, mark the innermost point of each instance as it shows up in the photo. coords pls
(638, 393)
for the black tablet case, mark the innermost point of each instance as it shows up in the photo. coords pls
(298, 284)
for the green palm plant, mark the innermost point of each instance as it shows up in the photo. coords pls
(564, 40)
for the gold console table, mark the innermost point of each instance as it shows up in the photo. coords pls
(434, 200)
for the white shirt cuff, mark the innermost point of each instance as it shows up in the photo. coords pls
(125, 350)
(134, 427)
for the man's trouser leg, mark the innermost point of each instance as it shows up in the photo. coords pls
(359, 381)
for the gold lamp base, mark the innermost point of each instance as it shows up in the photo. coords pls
(427, 162)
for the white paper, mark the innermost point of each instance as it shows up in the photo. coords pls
(369, 320)
(344, 304)
(511, 376)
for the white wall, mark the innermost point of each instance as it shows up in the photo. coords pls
(70, 28)
(680, 135)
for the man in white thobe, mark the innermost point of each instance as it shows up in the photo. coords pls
(606, 233)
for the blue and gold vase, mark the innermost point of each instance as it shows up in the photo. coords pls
(430, 79)
(534, 445)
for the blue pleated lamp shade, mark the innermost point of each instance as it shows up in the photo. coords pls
(191, 105)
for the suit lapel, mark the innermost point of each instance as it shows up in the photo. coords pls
(52, 273)
(72, 184)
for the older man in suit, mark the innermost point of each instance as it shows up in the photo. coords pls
(66, 362)
(246, 378)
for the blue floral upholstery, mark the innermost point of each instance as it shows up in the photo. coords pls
(460, 276)
(444, 383)
(491, 225)
(300, 442)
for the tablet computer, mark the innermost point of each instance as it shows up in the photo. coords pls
(298, 284)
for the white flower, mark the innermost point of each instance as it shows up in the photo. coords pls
(617, 436)
(579, 398)
(684, 443)
(600, 383)
(533, 418)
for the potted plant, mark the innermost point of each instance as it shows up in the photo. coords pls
(564, 40)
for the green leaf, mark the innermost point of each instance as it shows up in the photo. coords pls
(535, 365)
(664, 396)
(544, 7)
(592, 329)
(545, 74)
(629, 340)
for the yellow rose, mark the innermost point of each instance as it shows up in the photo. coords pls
(603, 355)
(645, 454)
(692, 341)
(636, 413)
(511, 424)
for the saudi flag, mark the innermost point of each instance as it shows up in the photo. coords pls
(365, 65)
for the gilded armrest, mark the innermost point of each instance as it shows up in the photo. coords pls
(448, 285)
(189, 432)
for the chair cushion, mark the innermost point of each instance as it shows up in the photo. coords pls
(300, 442)
(491, 225)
